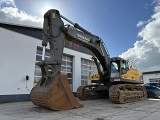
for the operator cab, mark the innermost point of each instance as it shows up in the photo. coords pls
(124, 71)
(119, 66)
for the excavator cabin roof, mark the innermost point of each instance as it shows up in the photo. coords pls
(117, 58)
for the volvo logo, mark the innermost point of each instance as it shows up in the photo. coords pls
(81, 37)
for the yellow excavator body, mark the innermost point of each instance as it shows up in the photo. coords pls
(132, 74)
(95, 77)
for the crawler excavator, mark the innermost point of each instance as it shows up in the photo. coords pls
(119, 78)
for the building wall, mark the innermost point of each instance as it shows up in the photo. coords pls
(18, 55)
(146, 77)
(17, 60)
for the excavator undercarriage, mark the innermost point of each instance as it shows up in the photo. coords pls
(120, 93)
(90, 92)
(123, 93)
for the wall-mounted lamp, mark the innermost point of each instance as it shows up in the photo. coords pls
(27, 77)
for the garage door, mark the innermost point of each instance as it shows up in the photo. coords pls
(88, 68)
(66, 67)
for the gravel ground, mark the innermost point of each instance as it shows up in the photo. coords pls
(101, 109)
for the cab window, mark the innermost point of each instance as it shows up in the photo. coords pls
(115, 69)
(124, 67)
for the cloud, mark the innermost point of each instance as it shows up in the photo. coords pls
(146, 52)
(141, 23)
(7, 3)
(10, 13)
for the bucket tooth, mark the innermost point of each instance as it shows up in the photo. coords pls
(57, 95)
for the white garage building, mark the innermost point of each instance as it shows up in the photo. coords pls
(20, 49)
(152, 75)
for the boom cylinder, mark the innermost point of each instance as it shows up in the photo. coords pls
(77, 26)
(43, 52)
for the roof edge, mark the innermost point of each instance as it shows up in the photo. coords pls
(150, 72)
(20, 25)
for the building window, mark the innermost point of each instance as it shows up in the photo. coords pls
(154, 80)
(66, 67)
(88, 68)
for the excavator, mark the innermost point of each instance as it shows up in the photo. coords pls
(117, 78)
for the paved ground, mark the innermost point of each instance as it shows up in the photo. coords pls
(93, 110)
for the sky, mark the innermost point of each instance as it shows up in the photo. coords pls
(129, 28)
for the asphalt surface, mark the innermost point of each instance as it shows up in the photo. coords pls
(101, 109)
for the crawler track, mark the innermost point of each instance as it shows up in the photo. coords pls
(124, 93)
(87, 92)
(121, 93)
(90, 92)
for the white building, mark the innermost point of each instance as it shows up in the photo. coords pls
(151, 75)
(20, 49)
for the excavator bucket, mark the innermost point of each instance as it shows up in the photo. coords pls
(54, 94)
